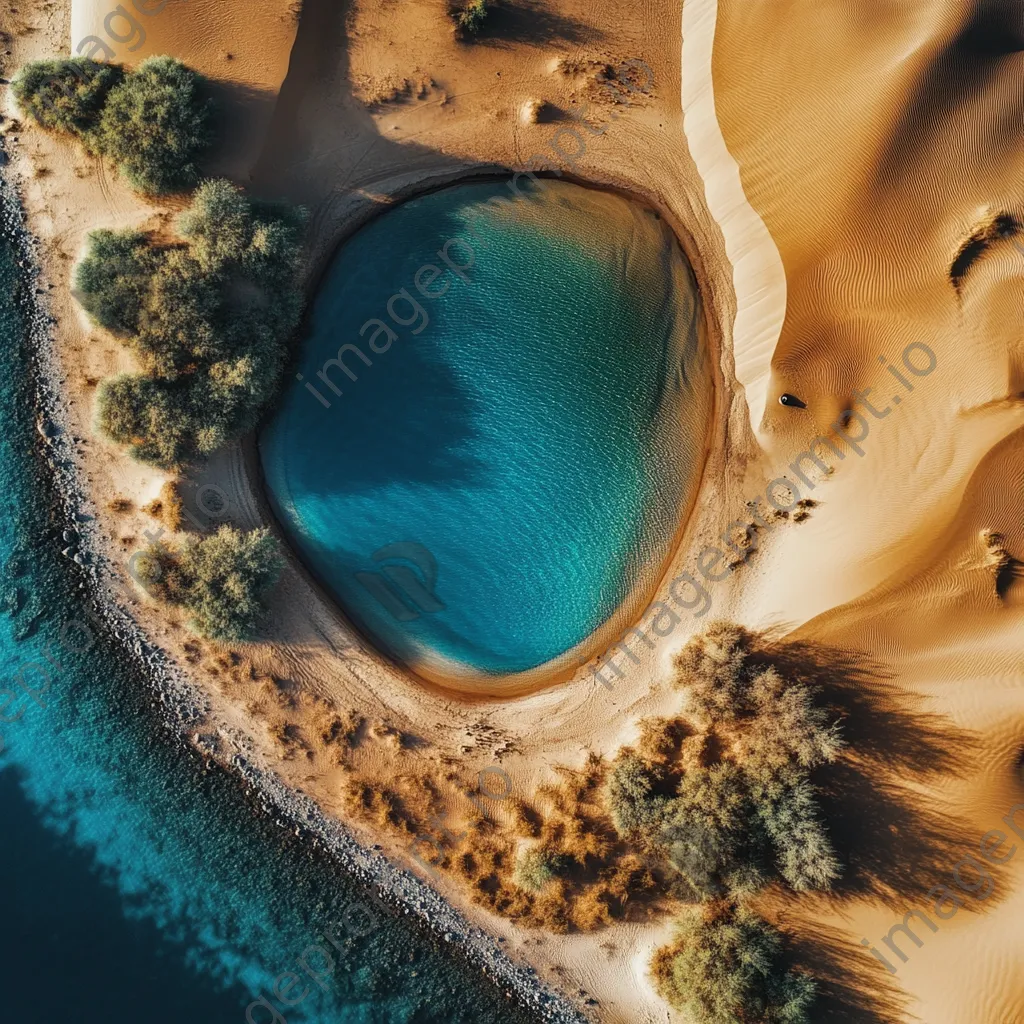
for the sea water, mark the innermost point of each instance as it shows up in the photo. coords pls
(496, 422)
(137, 885)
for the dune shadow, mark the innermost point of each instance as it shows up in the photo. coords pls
(946, 94)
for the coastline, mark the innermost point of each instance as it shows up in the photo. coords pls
(183, 705)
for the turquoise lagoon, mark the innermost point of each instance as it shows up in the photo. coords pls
(137, 885)
(496, 424)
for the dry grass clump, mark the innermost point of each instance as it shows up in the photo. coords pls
(391, 87)
(121, 505)
(381, 806)
(525, 820)
(167, 507)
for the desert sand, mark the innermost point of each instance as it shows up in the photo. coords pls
(824, 165)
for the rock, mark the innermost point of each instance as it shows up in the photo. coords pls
(46, 428)
(67, 552)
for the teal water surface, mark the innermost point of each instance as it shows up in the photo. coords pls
(496, 422)
(139, 885)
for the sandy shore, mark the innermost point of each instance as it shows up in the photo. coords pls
(823, 195)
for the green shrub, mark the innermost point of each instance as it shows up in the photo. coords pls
(66, 95)
(471, 18)
(803, 852)
(786, 727)
(209, 319)
(149, 417)
(731, 970)
(705, 833)
(153, 122)
(221, 580)
(537, 867)
(218, 226)
(113, 279)
(177, 330)
(155, 125)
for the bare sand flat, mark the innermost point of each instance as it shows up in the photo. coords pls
(826, 167)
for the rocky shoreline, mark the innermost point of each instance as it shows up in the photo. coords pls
(183, 707)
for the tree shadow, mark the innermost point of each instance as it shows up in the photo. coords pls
(531, 22)
(853, 987)
(894, 840)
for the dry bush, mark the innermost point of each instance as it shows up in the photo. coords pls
(167, 508)
(525, 820)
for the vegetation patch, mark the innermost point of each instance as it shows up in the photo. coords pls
(221, 579)
(730, 969)
(153, 122)
(471, 18)
(725, 797)
(706, 810)
(208, 317)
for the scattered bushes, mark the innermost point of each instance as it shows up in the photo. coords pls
(221, 579)
(153, 122)
(208, 318)
(731, 970)
(744, 811)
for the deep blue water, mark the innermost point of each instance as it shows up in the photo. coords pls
(516, 437)
(137, 887)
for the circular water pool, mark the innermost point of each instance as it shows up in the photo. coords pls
(496, 424)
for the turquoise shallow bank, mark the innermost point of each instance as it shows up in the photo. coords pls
(140, 887)
(504, 403)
